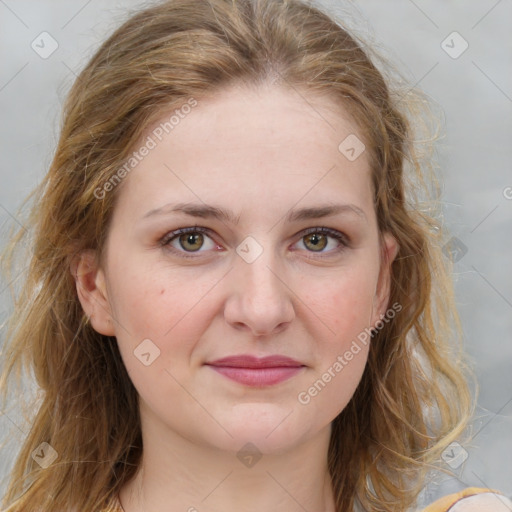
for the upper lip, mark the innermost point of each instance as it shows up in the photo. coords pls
(248, 361)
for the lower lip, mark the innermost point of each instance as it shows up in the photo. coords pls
(258, 377)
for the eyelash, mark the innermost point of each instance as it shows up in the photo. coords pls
(337, 235)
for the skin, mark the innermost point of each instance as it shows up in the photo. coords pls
(260, 153)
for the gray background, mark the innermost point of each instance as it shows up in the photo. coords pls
(474, 90)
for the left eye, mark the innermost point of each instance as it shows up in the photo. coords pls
(318, 239)
(192, 239)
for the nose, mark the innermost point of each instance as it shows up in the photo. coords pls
(260, 300)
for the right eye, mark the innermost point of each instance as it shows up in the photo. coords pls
(187, 240)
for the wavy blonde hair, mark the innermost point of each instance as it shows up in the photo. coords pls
(413, 399)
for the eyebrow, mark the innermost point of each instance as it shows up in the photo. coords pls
(205, 211)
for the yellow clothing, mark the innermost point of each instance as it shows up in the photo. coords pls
(460, 501)
(469, 497)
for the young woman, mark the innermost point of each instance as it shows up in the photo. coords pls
(234, 300)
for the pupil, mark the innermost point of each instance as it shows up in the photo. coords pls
(191, 239)
(317, 240)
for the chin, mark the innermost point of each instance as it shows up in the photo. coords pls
(270, 427)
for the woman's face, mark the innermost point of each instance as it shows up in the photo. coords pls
(253, 176)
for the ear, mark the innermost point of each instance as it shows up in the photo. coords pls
(389, 250)
(92, 292)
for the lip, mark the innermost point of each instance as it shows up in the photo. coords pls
(249, 361)
(257, 371)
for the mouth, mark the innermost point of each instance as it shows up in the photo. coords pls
(257, 372)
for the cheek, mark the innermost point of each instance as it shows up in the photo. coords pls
(342, 354)
(344, 302)
(151, 298)
(169, 308)
(332, 388)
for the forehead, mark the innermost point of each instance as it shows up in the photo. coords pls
(244, 117)
(249, 147)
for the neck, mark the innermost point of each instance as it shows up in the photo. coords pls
(177, 474)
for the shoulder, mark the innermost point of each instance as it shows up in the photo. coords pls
(472, 499)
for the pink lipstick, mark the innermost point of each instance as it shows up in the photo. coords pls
(257, 371)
